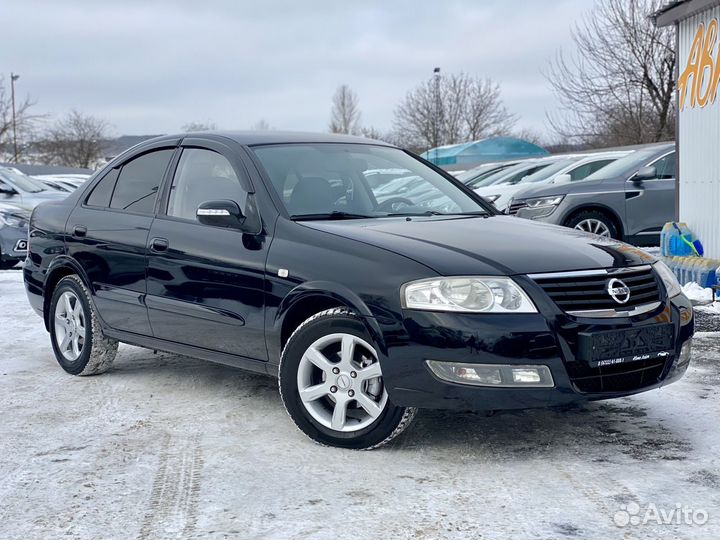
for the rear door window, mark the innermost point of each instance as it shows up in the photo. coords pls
(139, 181)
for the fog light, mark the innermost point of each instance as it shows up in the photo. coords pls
(526, 376)
(685, 353)
(499, 375)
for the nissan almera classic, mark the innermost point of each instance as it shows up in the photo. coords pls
(368, 294)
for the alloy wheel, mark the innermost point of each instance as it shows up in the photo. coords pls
(340, 382)
(69, 326)
(594, 226)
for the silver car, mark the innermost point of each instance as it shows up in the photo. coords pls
(13, 235)
(23, 191)
(630, 199)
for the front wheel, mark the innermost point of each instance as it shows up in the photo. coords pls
(592, 221)
(332, 386)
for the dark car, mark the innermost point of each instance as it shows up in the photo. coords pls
(630, 199)
(13, 235)
(269, 251)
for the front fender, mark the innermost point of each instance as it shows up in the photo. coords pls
(324, 290)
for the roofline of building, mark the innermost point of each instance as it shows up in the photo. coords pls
(679, 10)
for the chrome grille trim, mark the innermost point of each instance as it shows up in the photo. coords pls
(598, 272)
(608, 313)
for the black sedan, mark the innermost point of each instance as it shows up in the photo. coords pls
(274, 252)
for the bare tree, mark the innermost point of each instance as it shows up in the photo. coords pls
(451, 109)
(261, 125)
(618, 87)
(76, 140)
(345, 113)
(199, 126)
(24, 121)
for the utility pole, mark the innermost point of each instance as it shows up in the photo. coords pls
(436, 123)
(14, 77)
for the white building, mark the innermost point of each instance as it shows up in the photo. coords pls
(697, 25)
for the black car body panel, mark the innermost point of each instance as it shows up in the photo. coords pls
(234, 297)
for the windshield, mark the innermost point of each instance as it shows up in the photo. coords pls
(21, 182)
(328, 181)
(480, 175)
(548, 172)
(515, 174)
(626, 165)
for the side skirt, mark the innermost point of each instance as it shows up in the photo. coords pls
(257, 366)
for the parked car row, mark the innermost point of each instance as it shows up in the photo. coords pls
(19, 194)
(627, 195)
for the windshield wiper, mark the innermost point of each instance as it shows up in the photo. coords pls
(426, 213)
(436, 213)
(334, 215)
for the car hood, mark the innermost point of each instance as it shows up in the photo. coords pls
(496, 245)
(550, 189)
(31, 200)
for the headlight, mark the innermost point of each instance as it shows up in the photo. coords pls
(467, 294)
(541, 202)
(492, 198)
(11, 220)
(672, 286)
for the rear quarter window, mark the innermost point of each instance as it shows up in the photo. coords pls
(103, 190)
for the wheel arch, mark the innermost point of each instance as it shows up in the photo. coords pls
(310, 298)
(597, 207)
(59, 268)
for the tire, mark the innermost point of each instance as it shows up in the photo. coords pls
(7, 265)
(72, 316)
(349, 407)
(595, 222)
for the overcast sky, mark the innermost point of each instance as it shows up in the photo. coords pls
(150, 67)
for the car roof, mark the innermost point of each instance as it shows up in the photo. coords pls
(269, 136)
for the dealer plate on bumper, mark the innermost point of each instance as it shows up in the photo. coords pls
(612, 347)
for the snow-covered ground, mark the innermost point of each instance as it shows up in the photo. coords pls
(164, 446)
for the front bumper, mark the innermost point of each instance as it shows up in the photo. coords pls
(13, 243)
(548, 339)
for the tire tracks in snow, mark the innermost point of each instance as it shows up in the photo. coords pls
(173, 506)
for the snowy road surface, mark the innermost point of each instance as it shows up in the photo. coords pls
(164, 446)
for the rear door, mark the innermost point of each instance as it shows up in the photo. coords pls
(206, 285)
(107, 235)
(649, 204)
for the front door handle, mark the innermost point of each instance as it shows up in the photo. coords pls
(159, 244)
(79, 231)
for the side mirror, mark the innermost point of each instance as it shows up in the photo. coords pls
(223, 213)
(645, 173)
(562, 179)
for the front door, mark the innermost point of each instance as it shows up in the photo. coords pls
(205, 285)
(107, 235)
(649, 204)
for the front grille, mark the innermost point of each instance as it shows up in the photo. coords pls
(514, 207)
(615, 378)
(588, 290)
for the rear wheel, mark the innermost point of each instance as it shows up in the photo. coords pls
(77, 339)
(595, 222)
(332, 386)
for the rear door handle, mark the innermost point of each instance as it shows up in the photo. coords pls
(79, 230)
(159, 244)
